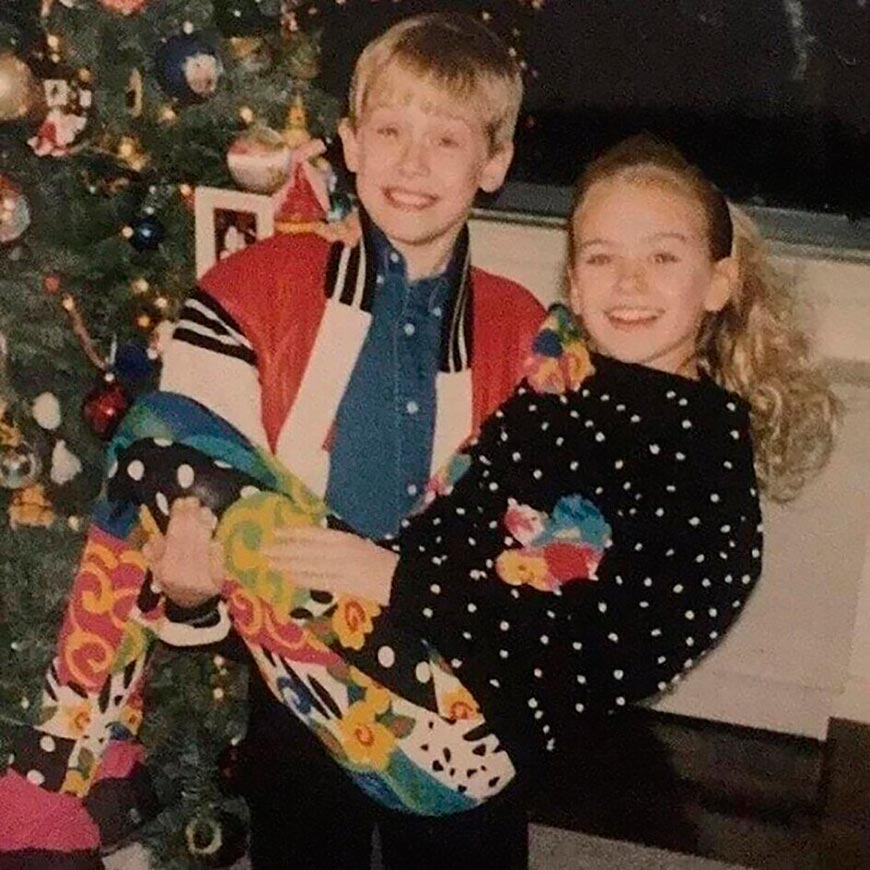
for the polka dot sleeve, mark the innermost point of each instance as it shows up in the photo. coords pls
(600, 541)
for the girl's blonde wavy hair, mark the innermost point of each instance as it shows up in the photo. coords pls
(756, 346)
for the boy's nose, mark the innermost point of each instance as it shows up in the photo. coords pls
(414, 159)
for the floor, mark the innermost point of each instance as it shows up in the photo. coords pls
(729, 794)
(660, 792)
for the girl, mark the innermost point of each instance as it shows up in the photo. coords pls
(596, 540)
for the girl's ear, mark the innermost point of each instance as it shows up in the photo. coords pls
(723, 284)
(349, 144)
(574, 299)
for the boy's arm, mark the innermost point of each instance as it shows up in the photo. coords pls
(212, 360)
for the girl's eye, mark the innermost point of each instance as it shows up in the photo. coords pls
(448, 141)
(662, 257)
(388, 131)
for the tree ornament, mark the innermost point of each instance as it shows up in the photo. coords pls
(216, 841)
(252, 53)
(146, 234)
(69, 98)
(14, 211)
(46, 411)
(30, 506)
(188, 67)
(19, 462)
(259, 160)
(51, 283)
(20, 93)
(135, 94)
(124, 7)
(132, 364)
(104, 407)
(65, 465)
(302, 203)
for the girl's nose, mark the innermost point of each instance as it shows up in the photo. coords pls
(630, 276)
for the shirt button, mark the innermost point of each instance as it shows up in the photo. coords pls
(412, 489)
(412, 407)
(409, 328)
(394, 257)
(437, 311)
(379, 280)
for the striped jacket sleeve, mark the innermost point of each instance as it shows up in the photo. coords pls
(210, 359)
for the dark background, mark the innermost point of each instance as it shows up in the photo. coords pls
(770, 97)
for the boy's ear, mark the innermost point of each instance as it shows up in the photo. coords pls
(723, 284)
(495, 169)
(349, 144)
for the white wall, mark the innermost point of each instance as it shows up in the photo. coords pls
(801, 652)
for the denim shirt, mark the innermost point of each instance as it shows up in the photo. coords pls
(385, 423)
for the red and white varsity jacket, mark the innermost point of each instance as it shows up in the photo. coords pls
(271, 338)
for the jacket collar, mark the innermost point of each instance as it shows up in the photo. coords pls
(351, 279)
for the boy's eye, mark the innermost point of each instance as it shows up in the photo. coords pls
(448, 142)
(662, 257)
(597, 259)
(388, 131)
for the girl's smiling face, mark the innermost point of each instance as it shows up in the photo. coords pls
(642, 276)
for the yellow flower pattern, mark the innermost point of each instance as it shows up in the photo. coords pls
(353, 620)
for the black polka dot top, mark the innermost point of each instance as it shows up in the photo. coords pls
(594, 542)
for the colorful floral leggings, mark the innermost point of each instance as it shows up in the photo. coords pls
(382, 701)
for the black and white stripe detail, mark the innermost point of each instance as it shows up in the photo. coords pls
(206, 324)
(351, 279)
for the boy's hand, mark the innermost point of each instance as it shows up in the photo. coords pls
(333, 561)
(187, 564)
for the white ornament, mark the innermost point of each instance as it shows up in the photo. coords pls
(65, 465)
(46, 411)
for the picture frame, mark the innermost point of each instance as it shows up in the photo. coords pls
(227, 221)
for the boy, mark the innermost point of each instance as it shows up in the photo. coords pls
(362, 368)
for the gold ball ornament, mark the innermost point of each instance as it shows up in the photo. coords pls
(19, 89)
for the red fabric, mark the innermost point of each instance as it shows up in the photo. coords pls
(506, 320)
(251, 286)
(33, 818)
(301, 204)
(119, 759)
(290, 269)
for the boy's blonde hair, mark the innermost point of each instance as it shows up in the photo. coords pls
(457, 54)
(755, 346)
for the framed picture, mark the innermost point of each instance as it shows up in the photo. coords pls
(227, 221)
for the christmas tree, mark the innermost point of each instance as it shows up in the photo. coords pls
(112, 113)
(114, 116)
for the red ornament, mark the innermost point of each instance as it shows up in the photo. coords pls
(124, 7)
(51, 283)
(104, 408)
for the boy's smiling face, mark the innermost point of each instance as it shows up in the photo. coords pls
(420, 157)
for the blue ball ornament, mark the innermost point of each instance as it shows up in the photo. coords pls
(132, 363)
(148, 233)
(188, 68)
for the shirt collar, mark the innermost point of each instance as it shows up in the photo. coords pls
(351, 279)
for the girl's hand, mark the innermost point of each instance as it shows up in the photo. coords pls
(333, 561)
(187, 564)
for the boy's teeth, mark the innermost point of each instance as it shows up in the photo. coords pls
(632, 314)
(410, 199)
